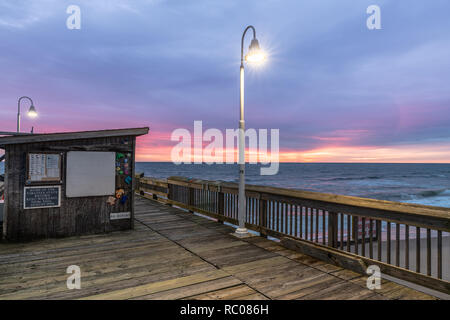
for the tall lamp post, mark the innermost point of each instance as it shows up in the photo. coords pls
(32, 113)
(254, 55)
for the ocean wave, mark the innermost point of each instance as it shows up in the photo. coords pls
(434, 193)
(427, 194)
(422, 175)
(355, 178)
(417, 197)
(438, 201)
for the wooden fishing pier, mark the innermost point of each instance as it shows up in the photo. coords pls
(174, 254)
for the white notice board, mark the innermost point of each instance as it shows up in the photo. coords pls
(90, 174)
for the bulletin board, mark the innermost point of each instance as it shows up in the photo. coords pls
(44, 167)
(90, 174)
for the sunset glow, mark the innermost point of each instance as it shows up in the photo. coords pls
(158, 149)
(368, 96)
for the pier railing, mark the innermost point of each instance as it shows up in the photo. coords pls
(2, 178)
(404, 240)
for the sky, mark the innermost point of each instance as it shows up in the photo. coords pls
(337, 91)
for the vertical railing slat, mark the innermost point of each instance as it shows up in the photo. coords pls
(277, 213)
(252, 210)
(317, 225)
(388, 244)
(371, 239)
(363, 240)
(291, 219)
(341, 243)
(349, 232)
(301, 222)
(355, 234)
(417, 249)
(221, 204)
(306, 222)
(263, 216)
(272, 212)
(428, 252)
(439, 255)
(332, 229)
(397, 245)
(379, 246)
(407, 246)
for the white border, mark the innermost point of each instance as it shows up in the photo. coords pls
(49, 186)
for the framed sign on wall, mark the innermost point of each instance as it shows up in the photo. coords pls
(44, 167)
(41, 197)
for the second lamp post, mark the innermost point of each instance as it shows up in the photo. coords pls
(31, 112)
(254, 55)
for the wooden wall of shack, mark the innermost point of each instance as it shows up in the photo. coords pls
(75, 216)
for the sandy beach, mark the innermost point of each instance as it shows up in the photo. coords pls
(412, 255)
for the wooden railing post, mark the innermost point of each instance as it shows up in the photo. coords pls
(355, 235)
(221, 205)
(169, 193)
(332, 229)
(191, 198)
(263, 217)
(137, 185)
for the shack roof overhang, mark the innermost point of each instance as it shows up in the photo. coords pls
(63, 136)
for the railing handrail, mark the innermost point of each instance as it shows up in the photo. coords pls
(155, 181)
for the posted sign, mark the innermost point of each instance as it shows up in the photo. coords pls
(119, 215)
(42, 197)
(43, 167)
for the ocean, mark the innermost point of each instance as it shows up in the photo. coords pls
(427, 184)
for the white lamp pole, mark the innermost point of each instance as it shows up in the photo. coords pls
(254, 55)
(31, 112)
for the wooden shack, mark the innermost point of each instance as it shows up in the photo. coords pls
(65, 184)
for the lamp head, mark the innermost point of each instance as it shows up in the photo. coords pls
(32, 113)
(255, 54)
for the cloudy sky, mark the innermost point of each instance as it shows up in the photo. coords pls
(336, 90)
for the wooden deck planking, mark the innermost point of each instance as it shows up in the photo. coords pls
(241, 292)
(172, 254)
(194, 289)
